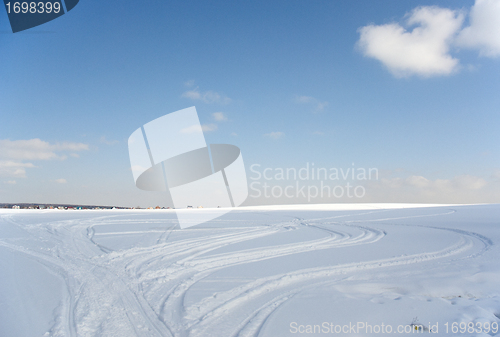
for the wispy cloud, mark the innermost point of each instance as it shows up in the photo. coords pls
(275, 134)
(416, 188)
(15, 154)
(61, 181)
(15, 169)
(189, 83)
(467, 182)
(36, 149)
(138, 168)
(219, 116)
(198, 129)
(208, 97)
(106, 141)
(209, 127)
(317, 105)
(496, 175)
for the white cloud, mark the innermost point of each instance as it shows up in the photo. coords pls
(423, 51)
(414, 188)
(189, 83)
(9, 168)
(61, 181)
(13, 154)
(104, 140)
(317, 104)
(496, 174)
(36, 149)
(318, 133)
(208, 97)
(192, 94)
(69, 146)
(219, 116)
(209, 127)
(138, 168)
(11, 182)
(483, 32)
(196, 128)
(462, 182)
(304, 99)
(234, 134)
(275, 134)
(199, 128)
(321, 105)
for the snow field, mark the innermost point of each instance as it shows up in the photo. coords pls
(253, 272)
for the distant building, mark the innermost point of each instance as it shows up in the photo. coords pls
(16, 207)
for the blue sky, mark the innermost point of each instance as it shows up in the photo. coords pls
(410, 88)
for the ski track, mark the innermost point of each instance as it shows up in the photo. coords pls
(141, 291)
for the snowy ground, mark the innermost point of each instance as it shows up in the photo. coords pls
(254, 272)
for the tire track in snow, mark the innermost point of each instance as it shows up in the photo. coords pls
(213, 315)
(91, 298)
(464, 244)
(207, 266)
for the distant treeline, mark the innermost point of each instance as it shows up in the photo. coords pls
(57, 206)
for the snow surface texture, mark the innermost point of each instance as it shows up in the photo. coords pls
(253, 272)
